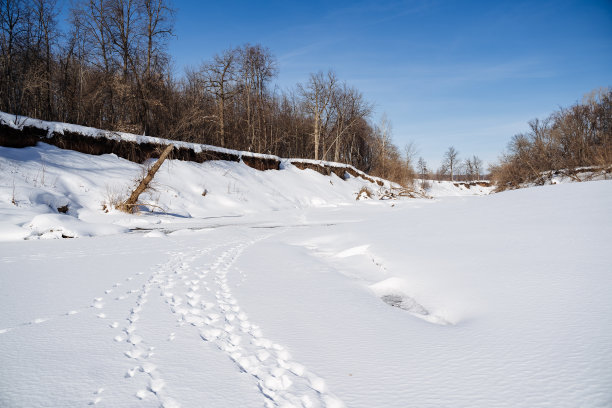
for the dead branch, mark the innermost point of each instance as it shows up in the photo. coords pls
(130, 203)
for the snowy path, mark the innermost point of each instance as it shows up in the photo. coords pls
(192, 289)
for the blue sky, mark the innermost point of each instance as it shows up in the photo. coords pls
(463, 73)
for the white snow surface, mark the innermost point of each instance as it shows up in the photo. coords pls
(36, 181)
(278, 288)
(448, 188)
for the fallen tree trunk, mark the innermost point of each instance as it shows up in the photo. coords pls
(131, 202)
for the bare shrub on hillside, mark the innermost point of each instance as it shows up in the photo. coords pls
(571, 138)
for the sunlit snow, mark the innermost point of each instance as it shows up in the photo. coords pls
(278, 288)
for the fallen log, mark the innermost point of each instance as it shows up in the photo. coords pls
(131, 203)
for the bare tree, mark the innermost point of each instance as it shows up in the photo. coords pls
(347, 107)
(317, 94)
(123, 21)
(477, 166)
(220, 79)
(158, 26)
(410, 152)
(46, 13)
(442, 172)
(383, 133)
(12, 27)
(257, 66)
(468, 168)
(451, 159)
(423, 171)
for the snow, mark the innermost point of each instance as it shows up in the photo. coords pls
(278, 288)
(454, 189)
(19, 122)
(41, 179)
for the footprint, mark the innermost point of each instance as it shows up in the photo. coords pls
(210, 334)
(95, 401)
(169, 403)
(156, 385)
(135, 354)
(296, 368)
(332, 402)
(135, 339)
(263, 355)
(317, 384)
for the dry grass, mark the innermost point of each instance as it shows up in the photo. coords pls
(364, 193)
(113, 198)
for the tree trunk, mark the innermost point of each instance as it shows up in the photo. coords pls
(130, 203)
(316, 135)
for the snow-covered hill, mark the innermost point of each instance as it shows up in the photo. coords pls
(278, 288)
(37, 181)
(437, 188)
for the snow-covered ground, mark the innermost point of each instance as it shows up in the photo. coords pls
(278, 288)
(36, 181)
(435, 188)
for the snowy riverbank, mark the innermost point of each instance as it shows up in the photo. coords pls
(279, 289)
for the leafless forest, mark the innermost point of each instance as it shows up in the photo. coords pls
(109, 67)
(567, 140)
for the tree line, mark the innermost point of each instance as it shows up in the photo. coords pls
(567, 140)
(110, 68)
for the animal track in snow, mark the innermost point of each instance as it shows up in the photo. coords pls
(97, 303)
(209, 306)
(196, 288)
